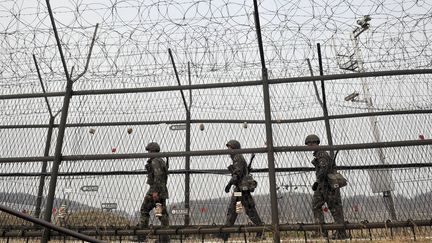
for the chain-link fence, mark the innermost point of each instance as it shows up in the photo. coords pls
(82, 96)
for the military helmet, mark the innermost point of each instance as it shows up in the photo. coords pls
(312, 138)
(233, 144)
(153, 147)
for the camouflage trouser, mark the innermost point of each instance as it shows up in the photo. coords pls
(249, 206)
(147, 206)
(334, 203)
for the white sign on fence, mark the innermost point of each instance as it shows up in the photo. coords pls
(180, 211)
(109, 206)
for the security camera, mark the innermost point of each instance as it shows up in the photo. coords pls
(367, 18)
(364, 23)
(352, 96)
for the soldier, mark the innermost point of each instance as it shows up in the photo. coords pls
(239, 170)
(323, 193)
(157, 194)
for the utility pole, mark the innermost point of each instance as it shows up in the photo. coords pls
(386, 189)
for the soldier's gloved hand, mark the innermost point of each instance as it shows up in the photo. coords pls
(231, 168)
(155, 196)
(315, 186)
(228, 187)
(148, 167)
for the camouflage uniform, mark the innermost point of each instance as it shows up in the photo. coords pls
(238, 170)
(157, 179)
(324, 193)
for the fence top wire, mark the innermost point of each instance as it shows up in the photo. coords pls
(217, 38)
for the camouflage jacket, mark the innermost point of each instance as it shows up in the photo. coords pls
(323, 166)
(157, 176)
(238, 169)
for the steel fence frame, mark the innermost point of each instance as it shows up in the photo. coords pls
(265, 82)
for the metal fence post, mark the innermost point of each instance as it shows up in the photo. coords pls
(187, 158)
(61, 131)
(188, 124)
(324, 103)
(43, 170)
(269, 132)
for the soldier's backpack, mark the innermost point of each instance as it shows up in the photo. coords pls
(248, 183)
(336, 179)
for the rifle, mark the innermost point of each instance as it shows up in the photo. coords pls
(249, 167)
(250, 162)
(334, 158)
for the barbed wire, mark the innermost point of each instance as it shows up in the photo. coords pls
(217, 38)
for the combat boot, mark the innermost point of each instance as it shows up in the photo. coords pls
(320, 234)
(165, 239)
(141, 238)
(223, 236)
(258, 237)
(340, 235)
